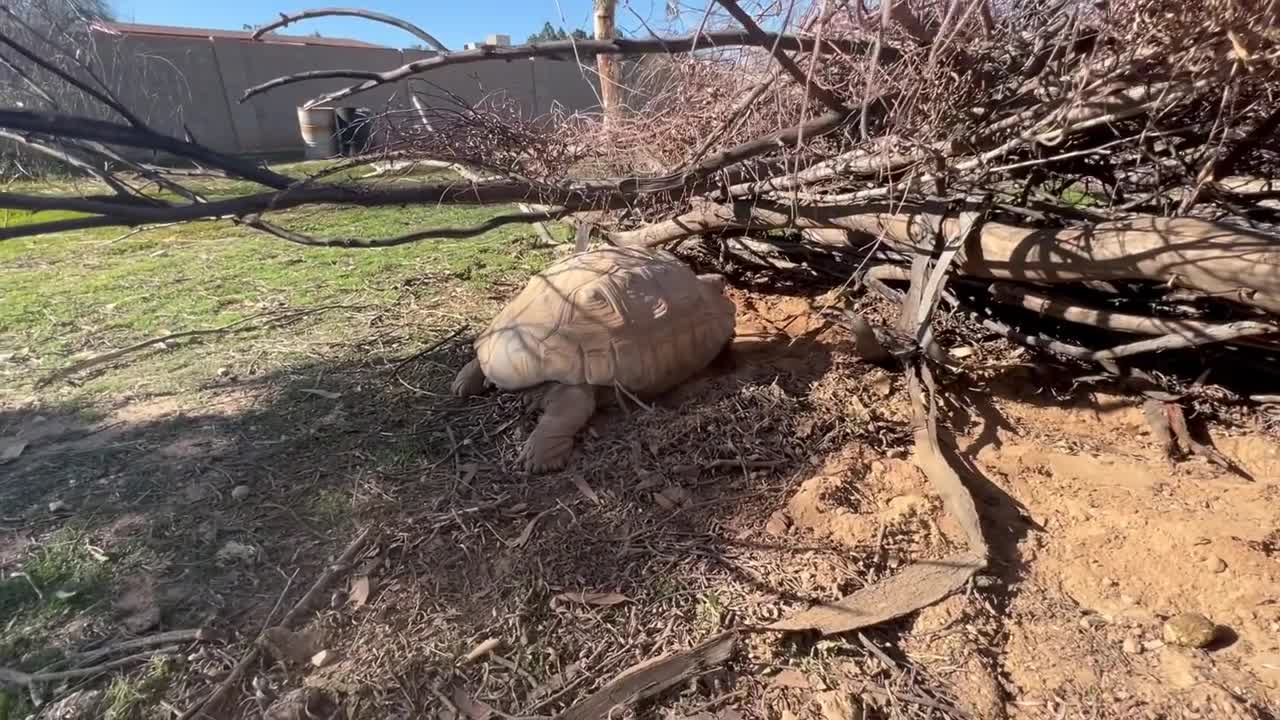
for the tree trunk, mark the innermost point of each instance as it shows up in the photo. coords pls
(607, 65)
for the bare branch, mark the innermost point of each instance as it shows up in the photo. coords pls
(559, 49)
(443, 233)
(66, 77)
(71, 126)
(762, 39)
(405, 25)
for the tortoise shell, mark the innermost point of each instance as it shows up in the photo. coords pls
(630, 317)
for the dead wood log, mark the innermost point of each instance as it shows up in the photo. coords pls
(1211, 258)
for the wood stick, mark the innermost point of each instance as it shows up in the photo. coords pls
(652, 677)
(342, 564)
(1177, 341)
(164, 638)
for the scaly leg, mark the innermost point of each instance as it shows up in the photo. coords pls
(470, 380)
(565, 410)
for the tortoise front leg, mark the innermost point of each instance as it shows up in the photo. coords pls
(470, 380)
(565, 410)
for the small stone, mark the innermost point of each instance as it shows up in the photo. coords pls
(1132, 646)
(57, 505)
(236, 552)
(1109, 582)
(322, 658)
(224, 372)
(240, 492)
(1216, 564)
(1128, 599)
(1191, 630)
(1152, 644)
(778, 523)
(1092, 621)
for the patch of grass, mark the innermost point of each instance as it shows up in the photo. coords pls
(65, 571)
(15, 704)
(129, 697)
(330, 506)
(61, 579)
(80, 294)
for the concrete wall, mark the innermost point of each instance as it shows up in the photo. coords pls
(197, 82)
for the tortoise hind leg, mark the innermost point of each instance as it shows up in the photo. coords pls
(470, 380)
(565, 409)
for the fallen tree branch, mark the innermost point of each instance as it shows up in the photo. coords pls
(164, 638)
(441, 233)
(405, 25)
(1213, 334)
(1216, 259)
(1028, 299)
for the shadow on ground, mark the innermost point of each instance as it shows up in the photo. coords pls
(219, 509)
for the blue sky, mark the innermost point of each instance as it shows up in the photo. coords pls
(454, 22)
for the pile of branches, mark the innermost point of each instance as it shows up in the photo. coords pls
(1110, 165)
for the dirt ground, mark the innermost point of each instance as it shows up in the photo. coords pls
(778, 479)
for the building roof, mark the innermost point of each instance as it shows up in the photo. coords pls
(117, 28)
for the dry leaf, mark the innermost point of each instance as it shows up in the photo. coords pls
(481, 650)
(359, 594)
(836, 705)
(322, 393)
(791, 678)
(11, 448)
(588, 598)
(470, 707)
(528, 529)
(286, 645)
(585, 489)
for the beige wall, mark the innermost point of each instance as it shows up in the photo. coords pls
(198, 82)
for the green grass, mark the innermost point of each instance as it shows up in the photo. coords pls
(83, 293)
(130, 697)
(331, 507)
(58, 581)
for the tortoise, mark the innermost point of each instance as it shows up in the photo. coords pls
(633, 319)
